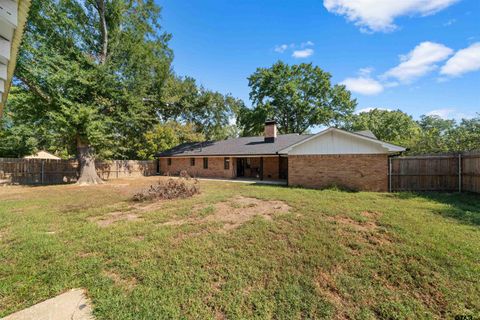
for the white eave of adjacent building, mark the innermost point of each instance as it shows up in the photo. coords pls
(13, 14)
(8, 24)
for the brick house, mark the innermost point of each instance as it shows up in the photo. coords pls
(356, 161)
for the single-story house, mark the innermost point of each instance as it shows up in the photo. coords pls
(332, 157)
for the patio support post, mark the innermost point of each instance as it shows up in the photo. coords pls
(261, 168)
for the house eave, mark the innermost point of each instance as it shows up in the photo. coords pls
(220, 155)
(16, 32)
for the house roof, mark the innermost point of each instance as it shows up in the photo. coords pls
(367, 133)
(251, 146)
(236, 146)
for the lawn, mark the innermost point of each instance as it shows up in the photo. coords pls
(241, 251)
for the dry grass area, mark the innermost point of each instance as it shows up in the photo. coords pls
(233, 213)
(239, 251)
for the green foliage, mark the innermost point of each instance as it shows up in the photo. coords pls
(210, 112)
(440, 135)
(165, 136)
(297, 97)
(431, 134)
(77, 82)
(391, 126)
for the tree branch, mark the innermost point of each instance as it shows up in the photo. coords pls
(103, 31)
(37, 90)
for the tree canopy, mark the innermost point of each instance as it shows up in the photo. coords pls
(395, 126)
(430, 134)
(97, 74)
(298, 97)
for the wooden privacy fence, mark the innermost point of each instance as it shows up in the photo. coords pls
(452, 173)
(49, 171)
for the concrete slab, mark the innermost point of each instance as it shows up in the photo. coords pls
(71, 305)
(249, 181)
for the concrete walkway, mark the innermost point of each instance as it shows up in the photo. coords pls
(71, 305)
(249, 181)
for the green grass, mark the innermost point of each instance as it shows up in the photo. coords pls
(334, 255)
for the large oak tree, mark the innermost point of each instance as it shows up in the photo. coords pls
(298, 97)
(90, 73)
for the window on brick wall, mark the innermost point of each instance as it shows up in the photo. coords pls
(192, 162)
(226, 163)
(205, 163)
(169, 161)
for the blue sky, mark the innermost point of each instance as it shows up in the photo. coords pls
(420, 56)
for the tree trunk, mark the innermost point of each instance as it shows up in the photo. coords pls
(88, 174)
(103, 31)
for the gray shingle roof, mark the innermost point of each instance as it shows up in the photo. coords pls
(367, 133)
(232, 147)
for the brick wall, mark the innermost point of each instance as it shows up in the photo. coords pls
(270, 167)
(357, 172)
(215, 167)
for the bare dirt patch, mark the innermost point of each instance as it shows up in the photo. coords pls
(127, 283)
(327, 287)
(356, 225)
(113, 217)
(370, 214)
(367, 231)
(235, 213)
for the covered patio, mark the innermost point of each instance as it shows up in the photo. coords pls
(261, 167)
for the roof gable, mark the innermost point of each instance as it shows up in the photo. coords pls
(336, 141)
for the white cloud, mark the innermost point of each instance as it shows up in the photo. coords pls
(304, 49)
(371, 109)
(364, 85)
(418, 62)
(307, 44)
(379, 15)
(449, 22)
(281, 48)
(465, 60)
(305, 53)
(366, 71)
(442, 113)
(449, 113)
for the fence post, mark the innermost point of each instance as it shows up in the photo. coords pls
(43, 172)
(459, 172)
(389, 174)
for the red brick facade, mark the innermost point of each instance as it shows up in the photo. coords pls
(270, 168)
(357, 172)
(216, 168)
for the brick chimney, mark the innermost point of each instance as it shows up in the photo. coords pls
(270, 131)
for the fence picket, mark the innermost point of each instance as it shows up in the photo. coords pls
(456, 172)
(49, 171)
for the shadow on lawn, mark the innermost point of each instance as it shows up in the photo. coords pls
(464, 207)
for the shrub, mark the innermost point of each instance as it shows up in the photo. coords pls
(169, 189)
